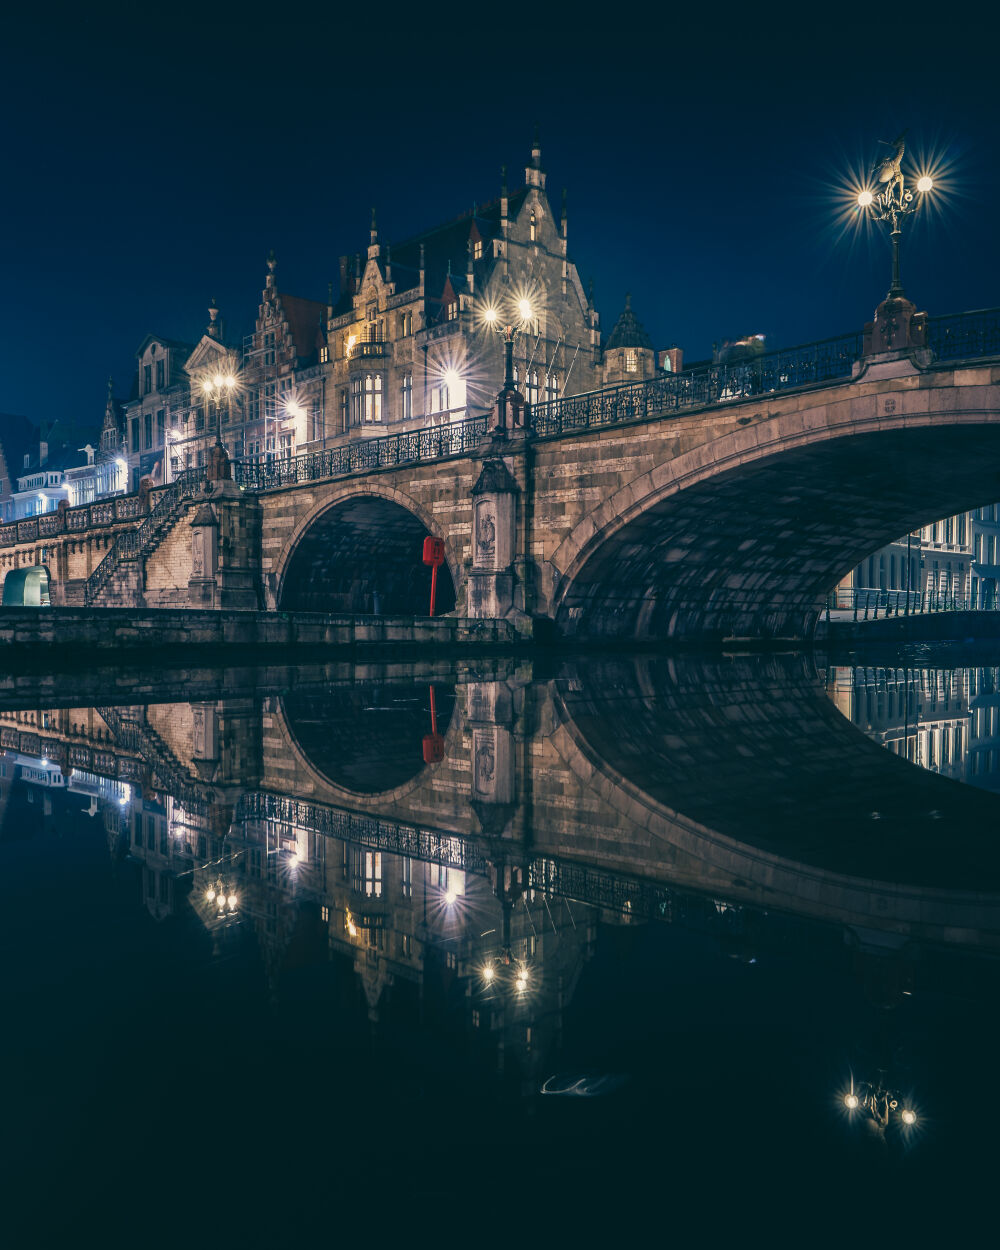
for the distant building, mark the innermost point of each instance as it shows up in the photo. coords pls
(57, 470)
(405, 341)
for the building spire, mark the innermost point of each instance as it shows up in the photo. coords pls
(213, 328)
(374, 229)
(534, 175)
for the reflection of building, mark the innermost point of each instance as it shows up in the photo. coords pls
(919, 714)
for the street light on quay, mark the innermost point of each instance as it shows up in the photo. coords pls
(886, 199)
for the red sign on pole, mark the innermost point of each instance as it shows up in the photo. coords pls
(434, 556)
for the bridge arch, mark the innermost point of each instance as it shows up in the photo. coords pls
(360, 548)
(744, 536)
(27, 587)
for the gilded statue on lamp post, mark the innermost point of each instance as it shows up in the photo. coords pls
(897, 325)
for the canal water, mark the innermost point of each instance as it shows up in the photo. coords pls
(297, 949)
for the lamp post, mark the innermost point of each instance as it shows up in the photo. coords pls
(887, 200)
(220, 386)
(508, 330)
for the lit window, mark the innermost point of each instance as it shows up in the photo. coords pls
(532, 387)
(533, 228)
(631, 360)
(477, 250)
(324, 355)
(406, 397)
(373, 398)
(452, 311)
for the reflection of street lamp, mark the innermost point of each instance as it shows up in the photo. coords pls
(223, 896)
(889, 201)
(873, 1100)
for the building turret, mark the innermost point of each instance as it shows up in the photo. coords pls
(628, 354)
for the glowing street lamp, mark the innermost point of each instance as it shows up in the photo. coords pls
(509, 331)
(887, 200)
(217, 388)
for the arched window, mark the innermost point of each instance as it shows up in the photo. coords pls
(533, 228)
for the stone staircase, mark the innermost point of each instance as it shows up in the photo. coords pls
(118, 580)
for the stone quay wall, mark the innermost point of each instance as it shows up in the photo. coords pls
(85, 631)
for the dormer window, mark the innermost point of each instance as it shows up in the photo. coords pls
(147, 379)
(452, 310)
(477, 250)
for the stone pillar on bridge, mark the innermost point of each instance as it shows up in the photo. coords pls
(895, 342)
(225, 547)
(494, 540)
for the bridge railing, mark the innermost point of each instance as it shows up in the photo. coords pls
(872, 604)
(433, 443)
(965, 336)
(71, 520)
(809, 365)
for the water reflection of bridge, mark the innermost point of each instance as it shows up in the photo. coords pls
(627, 777)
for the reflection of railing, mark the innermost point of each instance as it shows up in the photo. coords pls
(371, 453)
(870, 605)
(430, 845)
(144, 741)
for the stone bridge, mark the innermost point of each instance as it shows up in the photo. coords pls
(720, 505)
(624, 779)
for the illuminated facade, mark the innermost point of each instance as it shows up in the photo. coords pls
(404, 343)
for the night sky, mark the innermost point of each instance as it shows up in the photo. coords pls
(154, 155)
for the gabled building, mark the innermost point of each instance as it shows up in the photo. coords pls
(409, 343)
(159, 401)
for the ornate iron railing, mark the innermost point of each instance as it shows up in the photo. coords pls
(965, 336)
(133, 543)
(434, 443)
(809, 365)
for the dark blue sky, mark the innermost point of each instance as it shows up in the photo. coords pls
(153, 158)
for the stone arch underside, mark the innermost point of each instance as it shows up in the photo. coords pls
(752, 551)
(364, 553)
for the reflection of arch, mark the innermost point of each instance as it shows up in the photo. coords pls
(744, 535)
(366, 741)
(364, 540)
(27, 587)
(740, 782)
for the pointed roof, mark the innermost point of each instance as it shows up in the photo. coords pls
(305, 320)
(628, 331)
